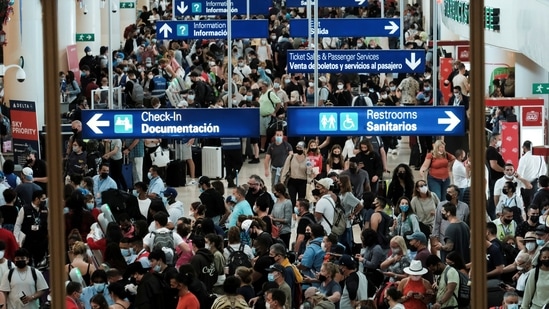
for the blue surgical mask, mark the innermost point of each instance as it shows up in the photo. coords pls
(540, 242)
(426, 99)
(132, 251)
(404, 208)
(66, 210)
(90, 206)
(164, 200)
(156, 269)
(296, 210)
(149, 175)
(134, 192)
(201, 189)
(99, 287)
(512, 306)
(278, 139)
(426, 88)
(271, 277)
(125, 252)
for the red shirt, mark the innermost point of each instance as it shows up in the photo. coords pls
(439, 166)
(11, 244)
(188, 301)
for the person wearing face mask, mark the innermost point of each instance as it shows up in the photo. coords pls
(32, 220)
(505, 223)
(214, 243)
(203, 262)
(38, 166)
(313, 257)
(406, 221)
(27, 284)
(275, 157)
(156, 185)
(276, 274)
(139, 253)
(73, 296)
(305, 219)
(416, 291)
(511, 300)
(328, 285)
(242, 207)
(360, 180)
(518, 183)
(402, 184)
(157, 86)
(393, 267)
(536, 292)
(447, 284)
(440, 225)
(456, 235)
(494, 258)
(355, 284)
(99, 286)
(76, 162)
(242, 69)
(342, 94)
(496, 168)
(292, 83)
(294, 173)
(212, 199)
(529, 225)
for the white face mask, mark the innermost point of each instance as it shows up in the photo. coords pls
(498, 143)
(311, 84)
(323, 246)
(207, 246)
(339, 87)
(384, 96)
(1, 254)
(423, 189)
(530, 246)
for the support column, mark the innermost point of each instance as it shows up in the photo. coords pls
(67, 31)
(25, 39)
(88, 24)
(114, 10)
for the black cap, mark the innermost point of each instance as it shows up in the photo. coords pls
(194, 74)
(276, 267)
(542, 229)
(203, 180)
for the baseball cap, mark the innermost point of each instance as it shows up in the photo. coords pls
(325, 182)
(87, 49)
(322, 79)
(276, 267)
(27, 171)
(170, 192)
(230, 199)
(347, 261)
(194, 74)
(246, 225)
(310, 292)
(300, 145)
(542, 229)
(203, 180)
(419, 236)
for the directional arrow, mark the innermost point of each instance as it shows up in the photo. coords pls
(165, 29)
(452, 122)
(182, 8)
(89, 37)
(393, 26)
(360, 2)
(413, 63)
(94, 123)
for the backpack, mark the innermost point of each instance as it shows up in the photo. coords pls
(237, 258)
(164, 240)
(137, 93)
(33, 271)
(360, 101)
(283, 47)
(463, 293)
(383, 229)
(331, 97)
(209, 97)
(340, 223)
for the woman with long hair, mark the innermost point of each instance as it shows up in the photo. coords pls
(314, 158)
(406, 222)
(113, 258)
(215, 244)
(397, 260)
(335, 161)
(352, 206)
(98, 301)
(424, 204)
(536, 293)
(118, 295)
(78, 217)
(295, 173)
(370, 161)
(80, 261)
(282, 213)
(438, 164)
(402, 183)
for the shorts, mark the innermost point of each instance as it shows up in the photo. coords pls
(254, 140)
(186, 152)
(263, 125)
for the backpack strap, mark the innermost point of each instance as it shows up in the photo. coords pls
(241, 248)
(457, 286)
(34, 276)
(323, 216)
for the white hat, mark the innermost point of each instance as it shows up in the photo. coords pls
(27, 171)
(246, 225)
(322, 79)
(326, 182)
(415, 269)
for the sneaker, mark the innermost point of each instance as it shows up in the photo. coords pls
(192, 182)
(254, 161)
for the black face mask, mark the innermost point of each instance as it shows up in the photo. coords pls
(299, 151)
(307, 235)
(253, 235)
(507, 221)
(534, 218)
(438, 272)
(74, 131)
(322, 278)
(444, 216)
(504, 191)
(29, 161)
(449, 197)
(20, 264)
(544, 263)
(336, 189)
(313, 149)
(104, 175)
(401, 175)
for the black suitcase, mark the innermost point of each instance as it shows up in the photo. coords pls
(173, 173)
(197, 158)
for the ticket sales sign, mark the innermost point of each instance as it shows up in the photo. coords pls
(401, 120)
(147, 123)
(358, 61)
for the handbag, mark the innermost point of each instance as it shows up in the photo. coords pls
(160, 157)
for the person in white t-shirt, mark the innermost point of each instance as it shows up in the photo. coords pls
(324, 210)
(160, 221)
(510, 175)
(461, 171)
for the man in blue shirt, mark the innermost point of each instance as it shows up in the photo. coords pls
(102, 182)
(156, 185)
(242, 207)
(313, 256)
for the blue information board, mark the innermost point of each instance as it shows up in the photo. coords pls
(328, 3)
(358, 61)
(211, 29)
(156, 123)
(347, 27)
(219, 7)
(350, 121)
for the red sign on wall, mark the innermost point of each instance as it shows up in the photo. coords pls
(510, 149)
(532, 116)
(463, 53)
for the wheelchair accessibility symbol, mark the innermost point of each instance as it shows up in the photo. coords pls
(348, 121)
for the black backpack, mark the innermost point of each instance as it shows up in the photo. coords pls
(360, 101)
(331, 96)
(237, 258)
(164, 240)
(463, 291)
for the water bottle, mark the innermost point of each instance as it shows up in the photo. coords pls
(309, 165)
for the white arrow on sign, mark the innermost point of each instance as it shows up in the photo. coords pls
(452, 122)
(413, 63)
(182, 8)
(360, 2)
(94, 123)
(393, 26)
(165, 29)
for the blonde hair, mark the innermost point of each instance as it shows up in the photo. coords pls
(399, 240)
(79, 247)
(437, 144)
(244, 273)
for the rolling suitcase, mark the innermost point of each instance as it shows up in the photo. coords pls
(127, 172)
(212, 162)
(197, 158)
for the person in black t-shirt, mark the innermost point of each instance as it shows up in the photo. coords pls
(496, 165)
(9, 211)
(302, 210)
